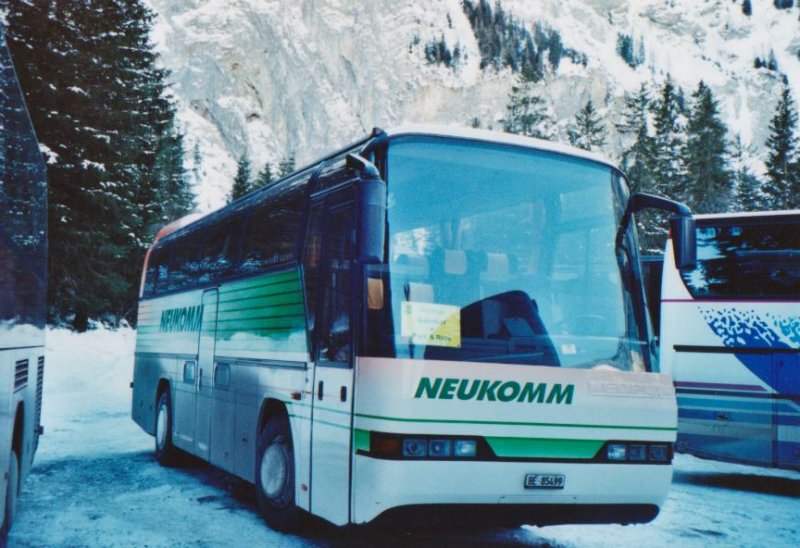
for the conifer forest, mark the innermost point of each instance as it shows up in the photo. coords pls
(118, 169)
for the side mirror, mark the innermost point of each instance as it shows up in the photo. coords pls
(684, 241)
(372, 201)
(681, 223)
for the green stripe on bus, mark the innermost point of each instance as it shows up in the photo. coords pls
(507, 423)
(260, 303)
(360, 439)
(248, 293)
(280, 283)
(544, 448)
(284, 311)
(286, 275)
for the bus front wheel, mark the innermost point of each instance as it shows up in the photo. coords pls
(166, 453)
(12, 492)
(275, 476)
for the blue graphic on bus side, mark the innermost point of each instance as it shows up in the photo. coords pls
(748, 329)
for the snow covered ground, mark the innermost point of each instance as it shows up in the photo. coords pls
(95, 483)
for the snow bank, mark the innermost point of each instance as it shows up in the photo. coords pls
(86, 382)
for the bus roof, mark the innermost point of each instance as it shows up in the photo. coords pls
(735, 215)
(174, 226)
(431, 130)
(495, 137)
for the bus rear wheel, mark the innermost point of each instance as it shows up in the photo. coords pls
(12, 492)
(166, 453)
(275, 476)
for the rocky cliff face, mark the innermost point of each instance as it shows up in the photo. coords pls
(270, 77)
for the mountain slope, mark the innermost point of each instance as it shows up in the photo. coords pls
(279, 77)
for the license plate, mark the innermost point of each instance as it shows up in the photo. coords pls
(544, 481)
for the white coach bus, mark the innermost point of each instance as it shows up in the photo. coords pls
(730, 336)
(23, 253)
(429, 324)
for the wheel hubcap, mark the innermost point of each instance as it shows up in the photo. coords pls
(161, 426)
(273, 471)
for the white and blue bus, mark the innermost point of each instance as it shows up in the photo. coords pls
(730, 337)
(429, 324)
(23, 251)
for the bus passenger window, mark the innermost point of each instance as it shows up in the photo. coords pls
(271, 232)
(221, 250)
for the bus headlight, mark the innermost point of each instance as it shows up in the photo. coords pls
(637, 452)
(416, 446)
(616, 451)
(659, 453)
(413, 447)
(465, 448)
(439, 448)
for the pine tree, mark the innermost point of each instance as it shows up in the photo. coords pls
(99, 102)
(527, 114)
(172, 180)
(505, 42)
(625, 49)
(748, 195)
(241, 182)
(668, 141)
(148, 171)
(638, 162)
(772, 61)
(197, 163)
(782, 188)
(286, 166)
(555, 51)
(631, 54)
(708, 178)
(588, 131)
(638, 159)
(265, 176)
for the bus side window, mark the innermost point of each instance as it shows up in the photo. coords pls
(152, 274)
(221, 250)
(161, 262)
(335, 337)
(272, 232)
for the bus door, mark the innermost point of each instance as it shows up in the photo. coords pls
(333, 224)
(788, 386)
(205, 373)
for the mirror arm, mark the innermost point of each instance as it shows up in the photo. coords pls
(639, 201)
(362, 166)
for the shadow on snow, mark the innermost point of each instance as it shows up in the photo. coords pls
(753, 483)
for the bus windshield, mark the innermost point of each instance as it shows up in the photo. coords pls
(501, 254)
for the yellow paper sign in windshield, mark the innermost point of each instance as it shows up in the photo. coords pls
(431, 324)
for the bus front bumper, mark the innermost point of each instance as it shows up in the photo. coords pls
(493, 493)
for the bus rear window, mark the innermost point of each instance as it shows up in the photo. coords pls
(743, 259)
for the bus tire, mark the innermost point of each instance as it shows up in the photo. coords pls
(12, 493)
(275, 476)
(166, 453)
